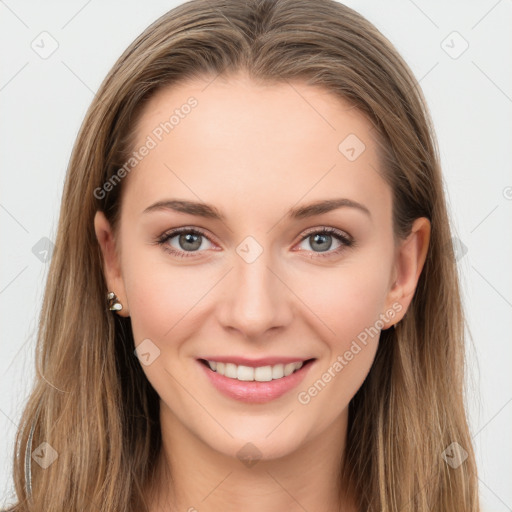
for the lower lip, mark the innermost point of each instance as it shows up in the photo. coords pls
(254, 391)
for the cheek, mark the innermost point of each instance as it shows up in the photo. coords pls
(352, 314)
(162, 299)
(346, 299)
(165, 305)
(349, 305)
(161, 293)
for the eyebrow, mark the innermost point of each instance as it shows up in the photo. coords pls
(210, 212)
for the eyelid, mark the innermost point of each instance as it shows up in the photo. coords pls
(171, 233)
(326, 229)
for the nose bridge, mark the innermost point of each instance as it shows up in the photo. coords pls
(256, 299)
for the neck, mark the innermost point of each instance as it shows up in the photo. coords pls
(191, 476)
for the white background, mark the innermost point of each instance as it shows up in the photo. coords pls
(43, 102)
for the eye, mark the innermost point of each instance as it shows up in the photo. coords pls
(321, 241)
(182, 241)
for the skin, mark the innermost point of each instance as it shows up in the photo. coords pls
(254, 152)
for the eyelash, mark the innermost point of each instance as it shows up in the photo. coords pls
(339, 235)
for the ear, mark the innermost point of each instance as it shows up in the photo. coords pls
(111, 260)
(410, 258)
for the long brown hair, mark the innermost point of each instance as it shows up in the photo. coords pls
(91, 401)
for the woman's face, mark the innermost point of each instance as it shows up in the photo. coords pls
(253, 279)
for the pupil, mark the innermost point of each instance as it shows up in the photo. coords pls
(322, 238)
(189, 239)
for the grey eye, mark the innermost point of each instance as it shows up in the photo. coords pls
(320, 242)
(187, 241)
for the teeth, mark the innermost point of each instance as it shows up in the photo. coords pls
(289, 369)
(242, 373)
(277, 371)
(263, 373)
(259, 374)
(230, 370)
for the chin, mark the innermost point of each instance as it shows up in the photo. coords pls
(259, 445)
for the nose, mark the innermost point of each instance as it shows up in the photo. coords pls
(255, 298)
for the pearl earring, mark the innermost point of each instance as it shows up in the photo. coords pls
(113, 302)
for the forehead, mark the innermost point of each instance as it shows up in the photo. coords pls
(232, 137)
(278, 113)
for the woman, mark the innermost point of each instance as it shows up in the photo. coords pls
(253, 300)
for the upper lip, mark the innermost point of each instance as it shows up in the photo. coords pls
(263, 361)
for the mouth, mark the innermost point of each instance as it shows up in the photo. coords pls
(255, 384)
(264, 373)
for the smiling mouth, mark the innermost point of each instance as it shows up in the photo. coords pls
(258, 374)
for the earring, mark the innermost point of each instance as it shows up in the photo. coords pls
(113, 302)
